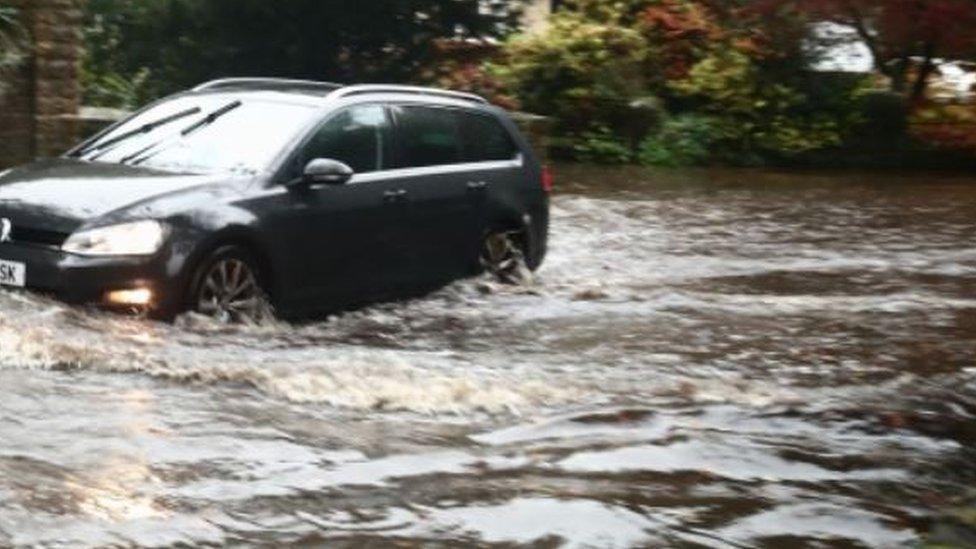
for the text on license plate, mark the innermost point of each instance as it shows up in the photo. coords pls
(13, 273)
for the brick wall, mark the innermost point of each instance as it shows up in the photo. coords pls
(40, 100)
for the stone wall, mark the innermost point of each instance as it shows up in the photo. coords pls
(40, 100)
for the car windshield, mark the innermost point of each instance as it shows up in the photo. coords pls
(203, 134)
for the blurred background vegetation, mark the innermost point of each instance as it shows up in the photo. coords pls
(12, 40)
(141, 49)
(660, 82)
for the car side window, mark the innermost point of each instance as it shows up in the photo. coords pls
(428, 137)
(485, 139)
(360, 136)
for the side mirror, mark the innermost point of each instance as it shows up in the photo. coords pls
(324, 171)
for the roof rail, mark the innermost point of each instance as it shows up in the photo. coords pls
(362, 89)
(273, 84)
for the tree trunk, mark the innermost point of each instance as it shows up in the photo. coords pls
(922, 78)
(898, 72)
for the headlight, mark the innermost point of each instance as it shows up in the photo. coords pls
(137, 238)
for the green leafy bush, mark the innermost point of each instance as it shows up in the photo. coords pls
(685, 140)
(753, 117)
(746, 99)
(601, 146)
(110, 89)
(582, 72)
(12, 39)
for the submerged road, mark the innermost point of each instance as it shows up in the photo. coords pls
(707, 359)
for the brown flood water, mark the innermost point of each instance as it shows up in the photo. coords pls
(707, 359)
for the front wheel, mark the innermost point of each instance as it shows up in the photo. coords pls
(228, 288)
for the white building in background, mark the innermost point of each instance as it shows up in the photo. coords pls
(537, 12)
(953, 81)
(841, 49)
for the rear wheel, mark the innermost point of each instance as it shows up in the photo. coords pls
(228, 288)
(503, 256)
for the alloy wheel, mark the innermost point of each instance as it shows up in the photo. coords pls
(230, 293)
(502, 257)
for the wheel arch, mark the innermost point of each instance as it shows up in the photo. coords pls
(234, 235)
(527, 227)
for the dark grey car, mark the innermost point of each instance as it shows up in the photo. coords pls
(313, 196)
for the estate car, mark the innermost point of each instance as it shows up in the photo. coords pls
(311, 197)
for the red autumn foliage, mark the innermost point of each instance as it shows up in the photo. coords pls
(686, 29)
(900, 25)
(461, 67)
(682, 21)
(472, 76)
(947, 135)
(682, 30)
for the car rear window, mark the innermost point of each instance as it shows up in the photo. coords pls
(432, 136)
(485, 139)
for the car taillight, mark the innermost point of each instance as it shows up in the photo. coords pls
(548, 181)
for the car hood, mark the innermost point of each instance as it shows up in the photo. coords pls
(61, 195)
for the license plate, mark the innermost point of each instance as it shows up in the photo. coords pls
(13, 274)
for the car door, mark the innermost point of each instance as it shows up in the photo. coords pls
(342, 244)
(494, 169)
(445, 201)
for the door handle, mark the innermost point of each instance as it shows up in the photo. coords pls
(395, 196)
(477, 185)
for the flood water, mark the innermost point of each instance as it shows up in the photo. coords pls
(707, 359)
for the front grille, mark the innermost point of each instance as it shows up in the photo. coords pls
(26, 235)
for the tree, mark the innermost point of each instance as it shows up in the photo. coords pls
(184, 42)
(899, 33)
(733, 80)
(680, 33)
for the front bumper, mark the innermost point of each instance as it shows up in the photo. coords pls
(77, 279)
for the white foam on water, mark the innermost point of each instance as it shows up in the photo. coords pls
(340, 375)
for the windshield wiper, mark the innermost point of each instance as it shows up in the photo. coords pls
(211, 118)
(141, 130)
(146, 153)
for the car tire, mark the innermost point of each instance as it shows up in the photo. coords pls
(229, 287)
(503, 256)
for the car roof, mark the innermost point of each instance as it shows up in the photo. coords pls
(318, 92)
